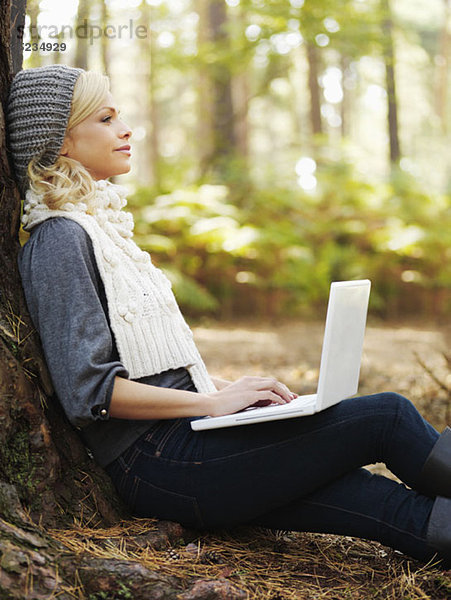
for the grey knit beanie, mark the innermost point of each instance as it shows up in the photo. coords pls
(37, 113)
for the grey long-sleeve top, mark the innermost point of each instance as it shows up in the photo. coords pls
(67, 303)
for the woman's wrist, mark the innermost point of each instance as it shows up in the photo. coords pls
(220, 383)
(206, 405)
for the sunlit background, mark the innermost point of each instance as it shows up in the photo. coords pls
(418, 69)
(263, 129)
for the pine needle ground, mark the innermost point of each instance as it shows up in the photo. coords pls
(270, 565)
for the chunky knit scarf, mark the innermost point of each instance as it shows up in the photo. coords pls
(150, 331)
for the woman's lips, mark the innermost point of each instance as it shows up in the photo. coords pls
(124, 149)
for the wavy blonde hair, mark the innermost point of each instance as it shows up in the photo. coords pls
(67, 180)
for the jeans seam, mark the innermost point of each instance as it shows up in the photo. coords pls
(159, 444)
(126, 465)
(162, 443)
(383, 447)
(374, 519)
(286, 441)
(120, 469)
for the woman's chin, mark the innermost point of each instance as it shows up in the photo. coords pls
(113, 173)
(125, 169)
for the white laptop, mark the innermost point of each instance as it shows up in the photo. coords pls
(340, 362)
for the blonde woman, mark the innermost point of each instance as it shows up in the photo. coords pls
(130, 378)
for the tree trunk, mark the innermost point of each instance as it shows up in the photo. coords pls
(313, 84)
(224, 140)
(17, 10)
(298, 79)
(345, 103)
(82, 24)
(104, 40)
(241, 101)
(33, 13)
(392, 105)
(204, 94)
(441, 96)
(204, 126)
(149, 54)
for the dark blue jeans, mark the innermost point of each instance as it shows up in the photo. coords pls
(302, 474)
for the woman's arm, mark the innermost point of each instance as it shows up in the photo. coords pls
(134, 400)
(66, 301)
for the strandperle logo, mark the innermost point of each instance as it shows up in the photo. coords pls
(85, 30)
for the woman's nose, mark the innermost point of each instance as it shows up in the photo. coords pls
(125, 132)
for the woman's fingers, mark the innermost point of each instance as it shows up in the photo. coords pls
(288, 393)
(272, 384)
(272, 396)
(250, 391)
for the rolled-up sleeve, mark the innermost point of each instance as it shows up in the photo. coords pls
(66, 301)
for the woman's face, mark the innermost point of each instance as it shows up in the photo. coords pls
(100, 142)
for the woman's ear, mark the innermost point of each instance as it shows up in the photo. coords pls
(65, 147)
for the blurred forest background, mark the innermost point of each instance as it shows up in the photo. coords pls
(278, 144)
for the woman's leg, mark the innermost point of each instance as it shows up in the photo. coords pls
(313, 451)
(362, 505)
(229, 476)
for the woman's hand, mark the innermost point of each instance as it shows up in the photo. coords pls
(220, 383)
(247, 391)
(134, 400)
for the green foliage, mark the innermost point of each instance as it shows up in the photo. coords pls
(275, 251)
(122, 593)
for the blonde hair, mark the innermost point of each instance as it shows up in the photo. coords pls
(67, 180)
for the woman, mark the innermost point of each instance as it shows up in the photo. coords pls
(129, 376)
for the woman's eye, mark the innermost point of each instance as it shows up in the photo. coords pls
(106, 119)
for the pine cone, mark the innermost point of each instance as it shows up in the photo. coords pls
(210, 557)
(171, 554)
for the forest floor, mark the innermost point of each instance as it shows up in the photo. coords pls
(255, 564)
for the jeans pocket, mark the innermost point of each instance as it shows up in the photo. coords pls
(148, 500)
(158, 437)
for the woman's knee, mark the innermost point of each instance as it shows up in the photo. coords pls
(397, 402)
(385, 411)
(400, 413)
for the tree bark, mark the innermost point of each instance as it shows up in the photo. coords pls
(18, 8)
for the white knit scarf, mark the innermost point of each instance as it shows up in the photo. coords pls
(150, 331)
